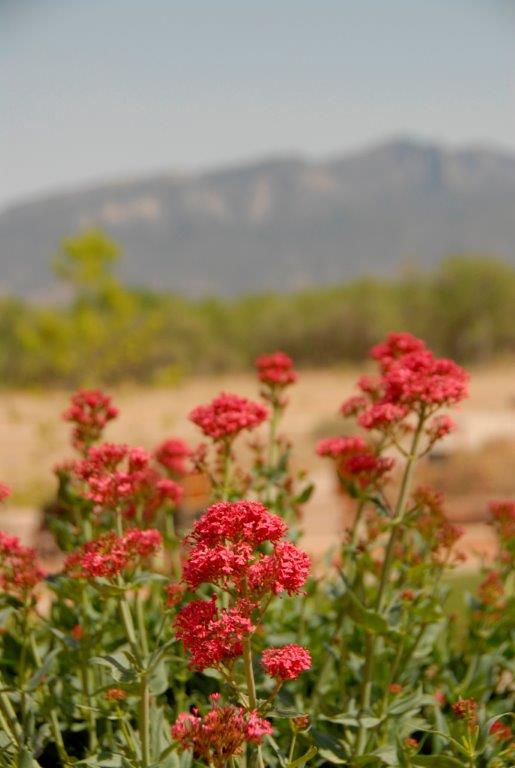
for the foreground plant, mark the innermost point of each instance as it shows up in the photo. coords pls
(147, 649)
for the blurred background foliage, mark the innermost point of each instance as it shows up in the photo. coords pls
(109, 333)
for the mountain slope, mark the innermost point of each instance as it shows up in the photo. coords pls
(277, 224)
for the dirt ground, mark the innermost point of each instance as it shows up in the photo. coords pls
(34, 439)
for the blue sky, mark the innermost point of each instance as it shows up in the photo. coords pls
(98, 89)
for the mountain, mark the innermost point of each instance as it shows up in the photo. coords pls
(280, 224)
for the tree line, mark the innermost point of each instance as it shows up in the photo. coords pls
(109, 333)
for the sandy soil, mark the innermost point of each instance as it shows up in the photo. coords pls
(33, 438)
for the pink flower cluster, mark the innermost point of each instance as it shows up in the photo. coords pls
(120, 477)
(110, 554)
(227, 415)
(411, 380)
(220, 734)
(276, 369)
(90, 411)
(356, 460)
(5, 492)
(172, 455)
(503, 516)
(19, 573)
(212, 635)
(286, 663)
(227, 552)
(439, 533)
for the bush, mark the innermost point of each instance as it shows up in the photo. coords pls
(146, 650)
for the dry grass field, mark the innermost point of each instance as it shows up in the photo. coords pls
(479, 460)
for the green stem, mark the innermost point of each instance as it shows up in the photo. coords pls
(87, 679)
(9, 714)
(226, 479)
(399, 513)
(251, 687)
(142, 630)
(54, 720)
(292, 746)
(144, 721)
(144, 703)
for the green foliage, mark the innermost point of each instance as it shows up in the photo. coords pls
(109, 333)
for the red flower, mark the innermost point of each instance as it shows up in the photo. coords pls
(19, 573)
(119, 477)
(172, 454)
(212, 636)
(115, 694)
(500, 731)
(396, 346)
(440, 427)
(286, 663)
(286, 570)
(411, 743)
(220, 734)
(503, 515)
(419, 378)
(335, 447)
(276, 369)
(90, 411)
(491, 589)
(395, 688)
(382, 416)
(110, 554)
(366, 468)
(227, 415)
(240, 521)
(5, 492)
(353, 405)
(77, 632)
(217, 564)
(174, 593)
(466, 709)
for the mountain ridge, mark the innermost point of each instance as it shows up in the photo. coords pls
(277, 222)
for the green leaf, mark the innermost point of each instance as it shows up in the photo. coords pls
(438, 761)
(329, 748)
(305, 494)
(119, 672)
(312, 751)
(38, 676)
(370, 620)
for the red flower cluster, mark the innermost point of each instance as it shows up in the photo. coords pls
(109, 555)
(437, 530)
(503, 516)
(212, 636)
(120, 477)
(115, 694)
(500, 731)
(173, 454)
(226, 552)
(356, 460)
(90, 411)
(19, 573)
(491, 590)
(411, 380)
(276, 369)
(5, 492)
(286, 663)
(227, 415)
(337, 447)
(466, 709)
(220, 734)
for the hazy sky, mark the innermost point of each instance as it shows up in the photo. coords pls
(96, 89)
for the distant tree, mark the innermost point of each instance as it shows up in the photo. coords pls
(86, 262)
